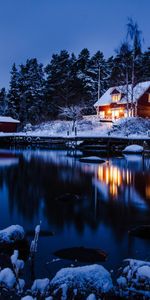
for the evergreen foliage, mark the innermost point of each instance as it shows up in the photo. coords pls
(36, 93)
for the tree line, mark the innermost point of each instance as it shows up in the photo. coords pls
(37, 92)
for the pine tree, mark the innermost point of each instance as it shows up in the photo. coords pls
(84, 74)
(31, 88)
(59, 82)
(3, 102)
(99, 74)
(13, 94)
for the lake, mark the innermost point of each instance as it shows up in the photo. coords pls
(112, 198)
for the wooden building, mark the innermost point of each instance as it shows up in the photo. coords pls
(116, 102)
(8, 124)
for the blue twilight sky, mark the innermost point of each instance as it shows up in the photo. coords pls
(38, 28)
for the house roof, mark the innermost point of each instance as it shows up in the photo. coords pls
(8, 120)
(138, 91)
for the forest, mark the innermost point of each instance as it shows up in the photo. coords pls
(37, 93)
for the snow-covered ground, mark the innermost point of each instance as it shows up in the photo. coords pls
(91, 126)
(64, 128)
(88, 127)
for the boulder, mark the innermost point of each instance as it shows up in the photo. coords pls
(133, 149)
(141, 231)
(134, 279)
(82, 254)
(68, 198)
(80, 282)
(12, 234)
(92, 159)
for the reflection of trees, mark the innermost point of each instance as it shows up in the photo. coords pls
(35, 183)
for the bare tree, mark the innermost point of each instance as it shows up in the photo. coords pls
(72, 112)
(124, 52)
(134, 40)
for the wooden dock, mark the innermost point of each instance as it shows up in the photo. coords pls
(84, 143)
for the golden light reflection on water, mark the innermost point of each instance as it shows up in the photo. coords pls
(114, 178)
(148, 191)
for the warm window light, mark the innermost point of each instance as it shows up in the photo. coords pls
(116, 97)
(149, 97)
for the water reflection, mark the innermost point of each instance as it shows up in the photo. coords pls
(112, 197)
(127, 179)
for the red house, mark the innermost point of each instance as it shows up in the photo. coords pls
(8, 124)
(116, 102)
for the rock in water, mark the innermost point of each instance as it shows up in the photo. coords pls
(81, 281)
(68, 198)
(133, 149)
(92, 159)
(11, 234)
(141, 231)
(82, 254)
(134, 279)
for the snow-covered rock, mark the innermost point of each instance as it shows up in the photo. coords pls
(7, 278)
(11, 234)
(17, 263)
(91, 297)
(28, 298)
(20, 285)
(133, 149)
(40, 286)
(84, 280)
(135, 278)
(92, 159)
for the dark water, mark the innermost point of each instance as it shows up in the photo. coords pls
(114, 197)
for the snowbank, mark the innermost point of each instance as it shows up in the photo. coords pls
(135, 278)
(40, 286)
(83, 280)
(11, 234)
(63, 128)
(133, 149)
(131, 126)
(7, 278)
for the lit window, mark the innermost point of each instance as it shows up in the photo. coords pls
(102, 115)
(116, 97)
(149, 98)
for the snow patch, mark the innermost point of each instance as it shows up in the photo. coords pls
(7, 278)
(135, 278)
(91, 297)
(85, 279)
(28, 298)
(40, 285)
(11, 234)
(91, 159)
(133, 149)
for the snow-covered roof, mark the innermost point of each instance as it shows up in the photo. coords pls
(138, 91)
(8, 120)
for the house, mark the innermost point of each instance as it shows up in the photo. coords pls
(8, 124)
(116, 102)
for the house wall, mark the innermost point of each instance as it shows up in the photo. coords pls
(143, 108)
(8, 127)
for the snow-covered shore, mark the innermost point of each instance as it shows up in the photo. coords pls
(132, 128)
(91, 126)
(82, 282)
